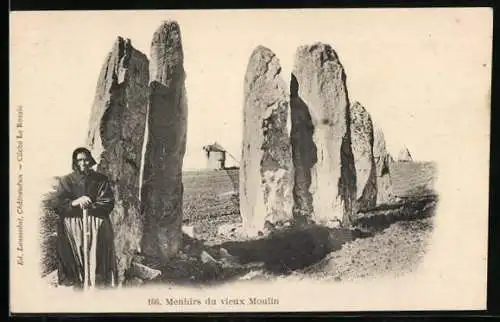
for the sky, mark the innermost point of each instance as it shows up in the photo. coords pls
(419, 73)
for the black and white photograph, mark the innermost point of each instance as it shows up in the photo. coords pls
(249, 160)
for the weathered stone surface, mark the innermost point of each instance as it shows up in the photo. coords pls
(364, 163)
(266, 173)
(115, 137)
(383, 169)
(162, 188)
(324, 168)
(404, 155)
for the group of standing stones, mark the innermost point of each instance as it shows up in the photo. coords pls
(309, 153)
(137, 132)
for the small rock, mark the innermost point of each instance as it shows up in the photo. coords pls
(251, 275)
(183, 256)
(207, 259)
(188, 230)
(333, 223)
(224, 253)
(229, 193)
(144, 272)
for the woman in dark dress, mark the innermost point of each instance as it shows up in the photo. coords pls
(82, 189)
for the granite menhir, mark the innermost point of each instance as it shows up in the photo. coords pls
(404, 155)
(383, 168)
(162, 189)
(364, 163)
(325, 178)
(115, 137)
(266, 173)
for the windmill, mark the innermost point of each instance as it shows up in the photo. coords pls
(216, 156)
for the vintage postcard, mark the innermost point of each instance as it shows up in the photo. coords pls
(249, 160)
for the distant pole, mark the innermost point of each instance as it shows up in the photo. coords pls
(85, 251)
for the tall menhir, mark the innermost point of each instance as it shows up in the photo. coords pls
(266, 174)
(325, 178)
(162, 189)
(115, 136)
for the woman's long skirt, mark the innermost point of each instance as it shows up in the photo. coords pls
(101, 258)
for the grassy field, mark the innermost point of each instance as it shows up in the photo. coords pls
(210, 195)
(413, 178)
(210, 199)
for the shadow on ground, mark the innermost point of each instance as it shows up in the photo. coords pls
(291, 249)
(381, 217)
(278, 254)
(282, 252)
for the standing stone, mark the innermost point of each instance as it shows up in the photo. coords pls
(382, 165)
(391, 159)
(404, 155)
(364, 163)
(162, 188)
(115, 138)
(325, 179)
(266, 174)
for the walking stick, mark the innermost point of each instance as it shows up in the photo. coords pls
(85, 252)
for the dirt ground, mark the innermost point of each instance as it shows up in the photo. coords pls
(387, 240)
(391, 240)
(397, 250)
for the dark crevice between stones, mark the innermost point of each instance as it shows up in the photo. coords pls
(347, 183)
(304, 152)
(368, 198)
(127, 52)
(385, 166)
